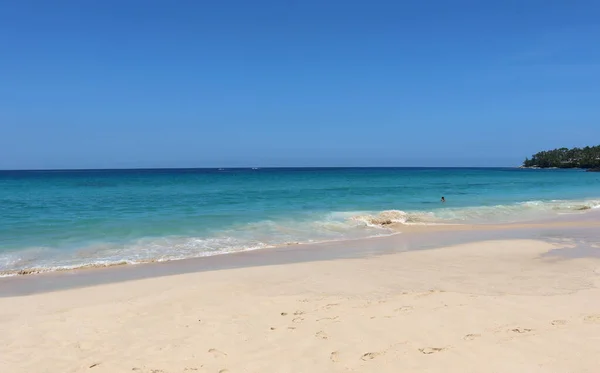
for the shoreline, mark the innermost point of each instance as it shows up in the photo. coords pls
(39, 258)
(404, 238)
(585, 217)
(516, 300)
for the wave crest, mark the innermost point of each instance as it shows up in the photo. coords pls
(389, 217)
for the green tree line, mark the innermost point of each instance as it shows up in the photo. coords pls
(588, 157)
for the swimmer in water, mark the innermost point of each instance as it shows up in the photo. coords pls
(443, 199)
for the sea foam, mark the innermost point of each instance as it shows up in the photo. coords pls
(333, 226)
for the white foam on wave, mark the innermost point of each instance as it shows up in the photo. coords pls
(334, 226)
(519, 212)
(389, 217)
(252, 236)
(522, 211)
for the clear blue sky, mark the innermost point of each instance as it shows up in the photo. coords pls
(128, 83)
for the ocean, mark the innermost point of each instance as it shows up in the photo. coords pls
(53, 220)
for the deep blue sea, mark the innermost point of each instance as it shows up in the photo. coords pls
(67, 219)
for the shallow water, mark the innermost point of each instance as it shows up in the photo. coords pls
(69, 219)
(571, 242)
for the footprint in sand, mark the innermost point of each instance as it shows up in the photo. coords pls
(217, 353)
(431, 350)
(404, 309)
(298, 313)
(321, 334)
(428, 293)
(470, 337)
(559, 322)
(223, 371)
(521, 330)
(593, 319)
(334, 356)
(370, 356)
(284, 314)
(298, 319)
(328, 318)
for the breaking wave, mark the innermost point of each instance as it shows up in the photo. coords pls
(519, 212)
(334, 226)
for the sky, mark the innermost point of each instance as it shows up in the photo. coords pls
(234, 83)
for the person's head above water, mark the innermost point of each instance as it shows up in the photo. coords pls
(443, 199)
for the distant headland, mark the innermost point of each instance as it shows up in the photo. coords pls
(587, 158)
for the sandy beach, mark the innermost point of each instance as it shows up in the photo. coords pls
(490, 306)
(299, 187)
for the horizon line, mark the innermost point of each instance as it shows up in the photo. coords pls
(256, 168)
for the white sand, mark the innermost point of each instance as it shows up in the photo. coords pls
(483, 307)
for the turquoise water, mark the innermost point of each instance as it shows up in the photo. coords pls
(68, 219)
